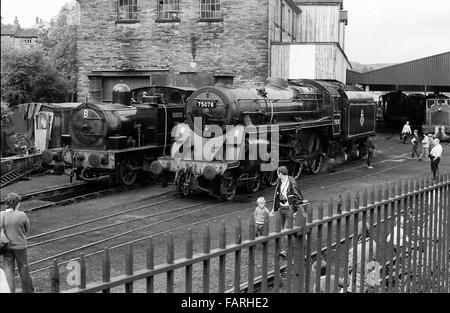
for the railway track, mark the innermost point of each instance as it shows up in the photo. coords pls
(166, 220)
(72, 193)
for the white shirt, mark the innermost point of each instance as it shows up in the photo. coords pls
(426, 141)
(436, 151)
(406, 129)
(283, 190)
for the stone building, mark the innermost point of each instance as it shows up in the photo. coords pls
(15, 37)
(181, 42)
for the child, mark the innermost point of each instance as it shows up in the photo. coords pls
(261, 214)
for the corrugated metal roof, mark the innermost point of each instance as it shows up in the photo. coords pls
(430, 71)
(320, 2)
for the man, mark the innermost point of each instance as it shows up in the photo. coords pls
(288, 198)
(415, 143)
(425, 147)
(406, 131)
(370, 150)
(435, 157)
(16, 226)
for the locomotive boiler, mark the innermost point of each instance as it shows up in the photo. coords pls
(118, 140)
(236, 137)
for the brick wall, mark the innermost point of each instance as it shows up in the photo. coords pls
(237, 45)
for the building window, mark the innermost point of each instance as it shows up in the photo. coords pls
(169, 10)
(210, 9)
(127, 10)
(26, 41)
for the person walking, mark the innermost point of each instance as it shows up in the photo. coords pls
(415, 142)
(261, 215)
(406, 131)
(370, 150)
(16, 226)
(435, 157)
(425, 148)
(288, 199)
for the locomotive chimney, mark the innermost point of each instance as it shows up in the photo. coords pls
(223, 80)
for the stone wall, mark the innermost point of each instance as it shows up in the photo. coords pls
(237, 45)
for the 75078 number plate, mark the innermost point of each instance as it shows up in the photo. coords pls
(206, 104)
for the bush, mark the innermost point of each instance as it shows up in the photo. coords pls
(28, 76)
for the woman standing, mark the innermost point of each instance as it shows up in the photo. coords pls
(16, 226)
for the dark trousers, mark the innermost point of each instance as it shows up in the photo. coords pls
(286, 214)
(369, 158)
(435, 166)
(414, 151)
(10, 257)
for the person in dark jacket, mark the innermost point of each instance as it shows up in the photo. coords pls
(16, 226)
(288, 199)
(370, 150)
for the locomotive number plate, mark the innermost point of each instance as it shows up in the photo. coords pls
(206, 104)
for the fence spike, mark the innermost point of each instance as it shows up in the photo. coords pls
(106, 266)
(266, 227)
(207, 240)
(348, 203)
(339, 205)
(150, 254)
(380, 193)
(372, 195)
(330, 207)
(189, 244)
(82, 272)
(386, 192)
(223, 236)
(251, 228)
(238, 238)
(170, 249)
(129, 260)
(321, 211)
(277, 222)
(357, 200)
(365, 197)
(55, 277)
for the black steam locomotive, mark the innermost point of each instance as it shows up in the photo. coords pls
(297, 123)
(117, 140)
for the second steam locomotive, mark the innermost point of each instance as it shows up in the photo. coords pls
(115, 141)
(236, 137)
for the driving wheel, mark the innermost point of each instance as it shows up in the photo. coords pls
(182, 184)
(253, 185)
(227, 187)
(127, 171)
(315, 157)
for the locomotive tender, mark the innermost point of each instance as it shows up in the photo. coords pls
(297, 123)
(438, 118)
(118, 140)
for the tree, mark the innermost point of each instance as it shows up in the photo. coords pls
(6, 115)
(60, 45)
(29, 76)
